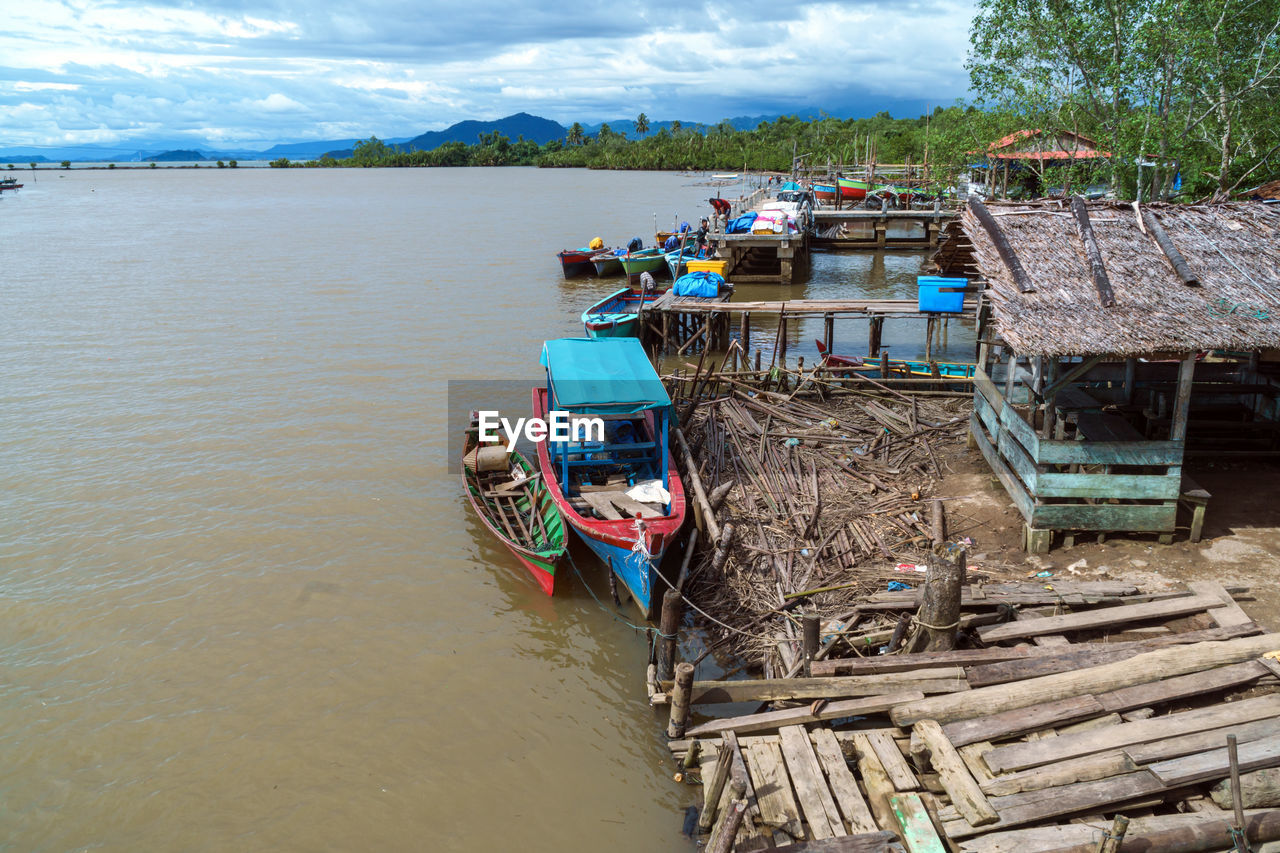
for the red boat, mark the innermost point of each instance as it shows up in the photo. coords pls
(620, 492)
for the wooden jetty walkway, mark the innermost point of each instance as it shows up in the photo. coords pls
(678, 324)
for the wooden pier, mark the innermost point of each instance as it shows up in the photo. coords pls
(676, 324)
(762, 258)
(880, 229)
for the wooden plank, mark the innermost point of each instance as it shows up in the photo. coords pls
(1048, 662)
(810, 785)
(1215, 764)
(964, 792)
(1020, 756)
(1182, 686)
(602, 505)
(934, 680)
(1019, 721)
(1012, 485)
(1099, 618)
(1031, 806)
(972, 754)
(893, 762)
(1124, 486)
(628, 504)
(1149, 666)
(844, 787)
(875, 781)
(1071, 452)
(913, 820)
(778, 807)
(1229, 613)
(871, 842)
(922, 660)
(771, 720)
(1147, 518)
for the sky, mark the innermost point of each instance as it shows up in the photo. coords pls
(250, 73)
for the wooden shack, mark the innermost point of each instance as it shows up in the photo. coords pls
(1116, 345)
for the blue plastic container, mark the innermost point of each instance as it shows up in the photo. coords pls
(941, 295)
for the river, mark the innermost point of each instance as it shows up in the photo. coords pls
(243, 603)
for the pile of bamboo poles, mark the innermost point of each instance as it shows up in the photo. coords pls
(828, 500)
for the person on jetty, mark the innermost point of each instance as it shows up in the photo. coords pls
(720, 207)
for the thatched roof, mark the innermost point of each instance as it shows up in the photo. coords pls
(1233, 249)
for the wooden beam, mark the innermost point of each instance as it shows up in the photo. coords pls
(1099, 618)
(1096, 268)
(1151, 666)
(772, 720)
(1071, 376)
(1007, 254)
(928, 740)
(1179, 263)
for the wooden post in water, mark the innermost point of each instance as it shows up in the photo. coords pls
(829, 332)
(812, 624)
(884, 364)
(744, 333)
(669, 629)
(680, 700)
(928, 337)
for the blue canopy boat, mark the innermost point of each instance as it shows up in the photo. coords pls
(618, 314)
(619, 489)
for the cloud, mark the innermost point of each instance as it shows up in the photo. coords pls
(273, 70)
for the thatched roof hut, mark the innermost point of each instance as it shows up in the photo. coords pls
(1232, 251)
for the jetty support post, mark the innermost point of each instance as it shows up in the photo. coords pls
(812, 624)
(939, 613)
(669, 629)
(680, 696)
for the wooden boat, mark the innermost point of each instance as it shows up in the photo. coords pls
(852, 190)
(650, 259)
(512, 501)
(606, 262)
(9, 183)
(897, 367)
(576, 262)
(618, 314)
(621, 491)
(678, 259)
(825, 192)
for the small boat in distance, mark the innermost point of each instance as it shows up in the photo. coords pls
(576, 262)
(8, 182)
(897, 367)
(511, 500)
(618, 314)
(620, 491)
(607, 263)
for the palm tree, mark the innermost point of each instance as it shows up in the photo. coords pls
(575, 134)
(642, 124)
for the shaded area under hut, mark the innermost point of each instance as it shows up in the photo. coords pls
(1116, 344)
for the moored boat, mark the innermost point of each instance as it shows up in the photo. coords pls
(617, 487)
(9, 183)
(897, 367)
(618, 314)
(576, 262)
(825, 192)
(852, 189)
(651, 259)
(607, 263)
(512, 501)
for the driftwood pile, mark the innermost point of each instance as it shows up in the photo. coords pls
(817, 501)
(1058, 727)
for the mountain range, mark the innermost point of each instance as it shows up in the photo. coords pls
(531, 127)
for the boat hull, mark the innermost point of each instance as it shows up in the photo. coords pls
(606, 264)
(632, 549)
(824, 192)
(576, 262)
(635, 264)
(617, 315)
(540, 562)
(853, 190)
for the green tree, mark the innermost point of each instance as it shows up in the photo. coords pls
(66, 164)
(221, 165)
(154, 164)
(369, 152)
(642, 124)
(280, 163)
(575, 137)
(233, 164)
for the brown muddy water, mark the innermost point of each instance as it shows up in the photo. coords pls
(243, 603)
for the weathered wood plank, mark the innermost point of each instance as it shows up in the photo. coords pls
(913, 819)
(778, 807)
(1215, 764)
(875, 781)
(771, 720)
(1109, 452)
(1019, 721)
(1152, 518)
(872, 842)
(1048, 661)
(922, 660)
(1030, 806)
(927, 739)
(810, 785)
(1020, 756)
(844, 787)
(893, 762)
(1124, 486)
(1229, 613)
(1099, 618)
(1012, 485)
(1150, 666)
(937, 680)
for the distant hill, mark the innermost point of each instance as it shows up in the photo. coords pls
(176, 157)
(534, 128)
